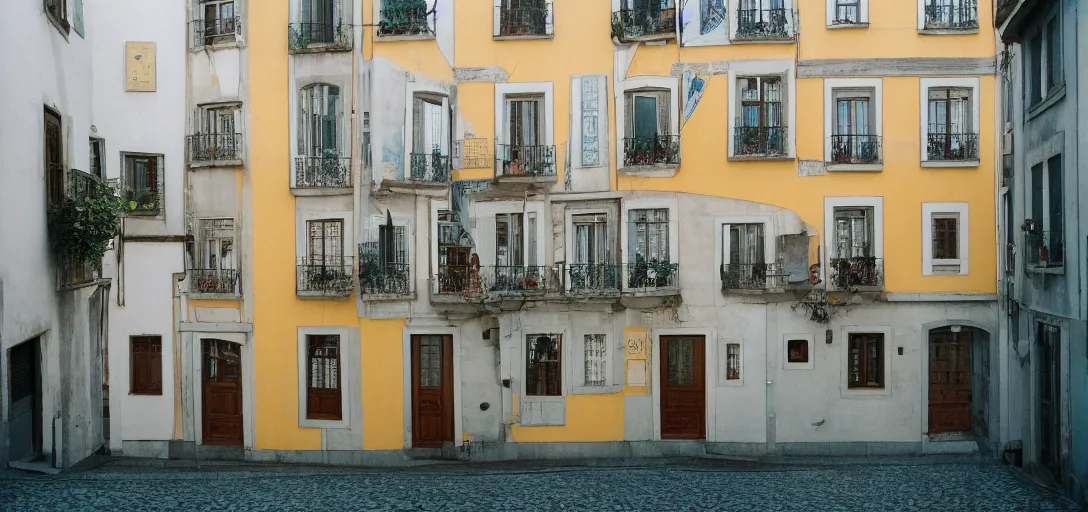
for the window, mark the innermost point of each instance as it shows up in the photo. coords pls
(763, 19)
(866, 360)
(54, 159)
(649, 235)
(142, 180)
(430, 139)
(526, 122)
(320, 21)
(952, 135)
(543, 366)
(854, 138)
(1045, 244)
(797, 351)
(57, 10)
(319, 121)
(98, 153)
(217, 136)
(646, 132)
(944, 238)
(509, 248)
(1043, 61)
(847, 12)
(217, 243)
(146, 371)
(596, 362)
(949, 14)
(761, 128)
(732, 361)
(528, 151)
(326, 242)
(744, 263)
(591, 238)
(323, 378)
(219, 21)
(384, 266)
(523, 18)
(853, 232)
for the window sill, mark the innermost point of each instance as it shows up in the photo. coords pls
(322, 48)
(764, 40)
(848, 25)
(1033, 269)
(143, 214)
(415, 37)
(932, 164)
(331, 295)
(342, 424)
(226, 45)
(211, 296)
(317, 192)
(133, 393)
(662, 37)
(388, 297)
(760, 158)
(215, 163)
(948, 31)
(597, 390)
(855, 167)
(650, 171)
(1053, 97)
(526, 36)
(863, 393)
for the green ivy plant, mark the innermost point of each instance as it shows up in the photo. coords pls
(82, 226)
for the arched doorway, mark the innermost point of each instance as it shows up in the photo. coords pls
(959, 380)
(221, 393)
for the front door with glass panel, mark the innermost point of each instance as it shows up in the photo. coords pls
(683, 387)
(432, 390)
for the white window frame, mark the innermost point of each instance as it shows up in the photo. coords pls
(549, 22)
(755, 68)
(890, 346)
(235, 38)
(734, 6)
(863, 15)
(830, 203)
(484, 234)
(721, 254)
(429, 94)
(349, 371)
(926, 84)
(723, 362)
(669, 84)
(504, 93)
(649, 204)
(930, 211)
(874, 88)
(611, 217)
(304, 215)
(811, 340)
(578, 362)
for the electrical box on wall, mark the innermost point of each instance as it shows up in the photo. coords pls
(139, 67)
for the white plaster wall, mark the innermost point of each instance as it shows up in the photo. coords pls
(148, 310)
(387, 109)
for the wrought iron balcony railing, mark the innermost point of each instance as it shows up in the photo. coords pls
(527, 279)
(657, 21)
(81, 184)
(212, 147)
(458, 282)
(850, 274)
(766, 141)
(406, 18)
(328, 36)
(952, 146)
(322, 172)
(516, 160)
(594, 278)
(1044, 249)
(534, 20)
(752, 276)
(763, 24)
(653, 275)
(649, 151)
(855, 149)
(431, 167)
(213, 281)
(329, 277)
(218, 30)
(383, 279)
(951, 14)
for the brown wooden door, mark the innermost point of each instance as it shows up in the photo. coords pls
(221, 399)
(683, 387)
(432, 390)
(949, 381)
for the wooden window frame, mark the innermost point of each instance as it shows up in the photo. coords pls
(540, 385)
(945, 238)
(324, 394)
(799, 347)
(931, 264)
(863, 340)
(323, 260)
(151, 384)
(154, 181)
(53, 144)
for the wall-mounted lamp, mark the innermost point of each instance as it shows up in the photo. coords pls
(829, 335)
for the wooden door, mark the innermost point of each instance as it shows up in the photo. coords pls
(949, 381)
(683, 387)
(221, 399)
(1049, 397)
(432, 390)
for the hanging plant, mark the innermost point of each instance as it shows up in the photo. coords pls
(82, 226)
(818, 306)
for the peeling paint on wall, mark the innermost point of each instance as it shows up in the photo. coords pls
(488, 74)
(393, 156)
(810, 168)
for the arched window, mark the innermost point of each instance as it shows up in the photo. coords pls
(319, 131)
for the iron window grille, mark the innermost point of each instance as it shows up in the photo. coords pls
(951, 14)
(384, 267)
(596, 362)
(524, 18)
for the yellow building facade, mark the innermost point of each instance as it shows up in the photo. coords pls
(500, 230)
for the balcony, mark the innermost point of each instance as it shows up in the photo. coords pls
(321, 172)
(854, 150)
(80, 185)
(428, 171)
(752, 277)
(951, 15)
(756, 142)
(215, 31)
(406, 18)
(208, 150)
(456, 284)
(594, 279)
(651, 277)
(856, 274)
(211, 281)
(763, 25)
(1044, 249)
(526, 21)
(315, 278)
(660, 152)
(319, 37)
(388, 281)
(652, 23)
(952, 147)
(474, 153)
(77, 274)
(525, 164)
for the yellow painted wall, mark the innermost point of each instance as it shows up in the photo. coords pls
(589, 418)
(382, 366)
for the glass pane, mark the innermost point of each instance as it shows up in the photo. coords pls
(430, 361)
(595, 362)
(681, 361)
(645, 116)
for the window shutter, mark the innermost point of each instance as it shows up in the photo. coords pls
(663, 108)
(304, 112)
(629, 115)
(154, 361)
(419, 126)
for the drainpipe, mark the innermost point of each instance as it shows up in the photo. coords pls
(175, 282)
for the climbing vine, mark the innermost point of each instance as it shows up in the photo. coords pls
(82, 226)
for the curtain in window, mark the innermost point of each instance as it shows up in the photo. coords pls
(326, 242)
(650, 238)
(589, 239)
(853, 117)
(508, 240)
(595, 362)
(319, 106)
(523, 122)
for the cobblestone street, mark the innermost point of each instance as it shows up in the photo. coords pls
(946, 484)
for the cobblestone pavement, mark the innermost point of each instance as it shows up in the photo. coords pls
(908, 484)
